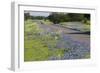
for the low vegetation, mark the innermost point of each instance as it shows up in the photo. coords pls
(40, 45)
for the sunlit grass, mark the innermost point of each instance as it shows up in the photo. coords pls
(46, 22)
(86, 28)
(36, 45)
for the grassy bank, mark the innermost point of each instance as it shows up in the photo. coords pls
(36, 45)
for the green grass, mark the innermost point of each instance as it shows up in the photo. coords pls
(63, 23)
(35, 50)
(59, 53)
(46, 22)
(87, 55)
(86, 28)
(36, 45)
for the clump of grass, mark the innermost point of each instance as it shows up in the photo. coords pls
(46, 22)
(58, 53)
(63, 23)
(86, 27)
(35, 50)
(87, 55)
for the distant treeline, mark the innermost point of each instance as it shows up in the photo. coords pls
(56, 17)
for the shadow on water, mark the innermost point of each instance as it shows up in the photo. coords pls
(87, 33)
(73, 29)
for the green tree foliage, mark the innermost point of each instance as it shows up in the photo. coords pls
(57, 17)
(75, 17)
(87, 16)
(38, 17)
(26, 16)
(86, 19)
(65, 17)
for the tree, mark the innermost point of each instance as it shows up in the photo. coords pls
(26, 16)
(75, 17)
(57, 17)
(87, 16)
(65, 17)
